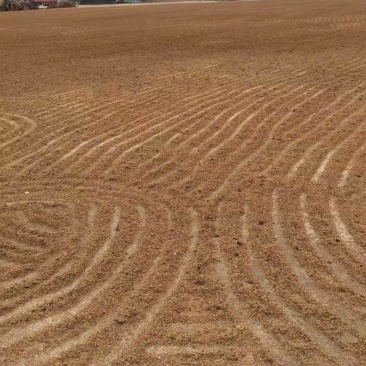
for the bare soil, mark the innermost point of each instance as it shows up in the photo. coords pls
(184, 185)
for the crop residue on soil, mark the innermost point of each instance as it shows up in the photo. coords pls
(184, 185)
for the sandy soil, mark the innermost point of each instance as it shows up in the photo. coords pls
(184, 185)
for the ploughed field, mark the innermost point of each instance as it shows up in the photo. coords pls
(184, 185)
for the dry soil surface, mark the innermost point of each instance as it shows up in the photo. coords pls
(184, 185)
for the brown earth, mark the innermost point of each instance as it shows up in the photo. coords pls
(184, 185)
